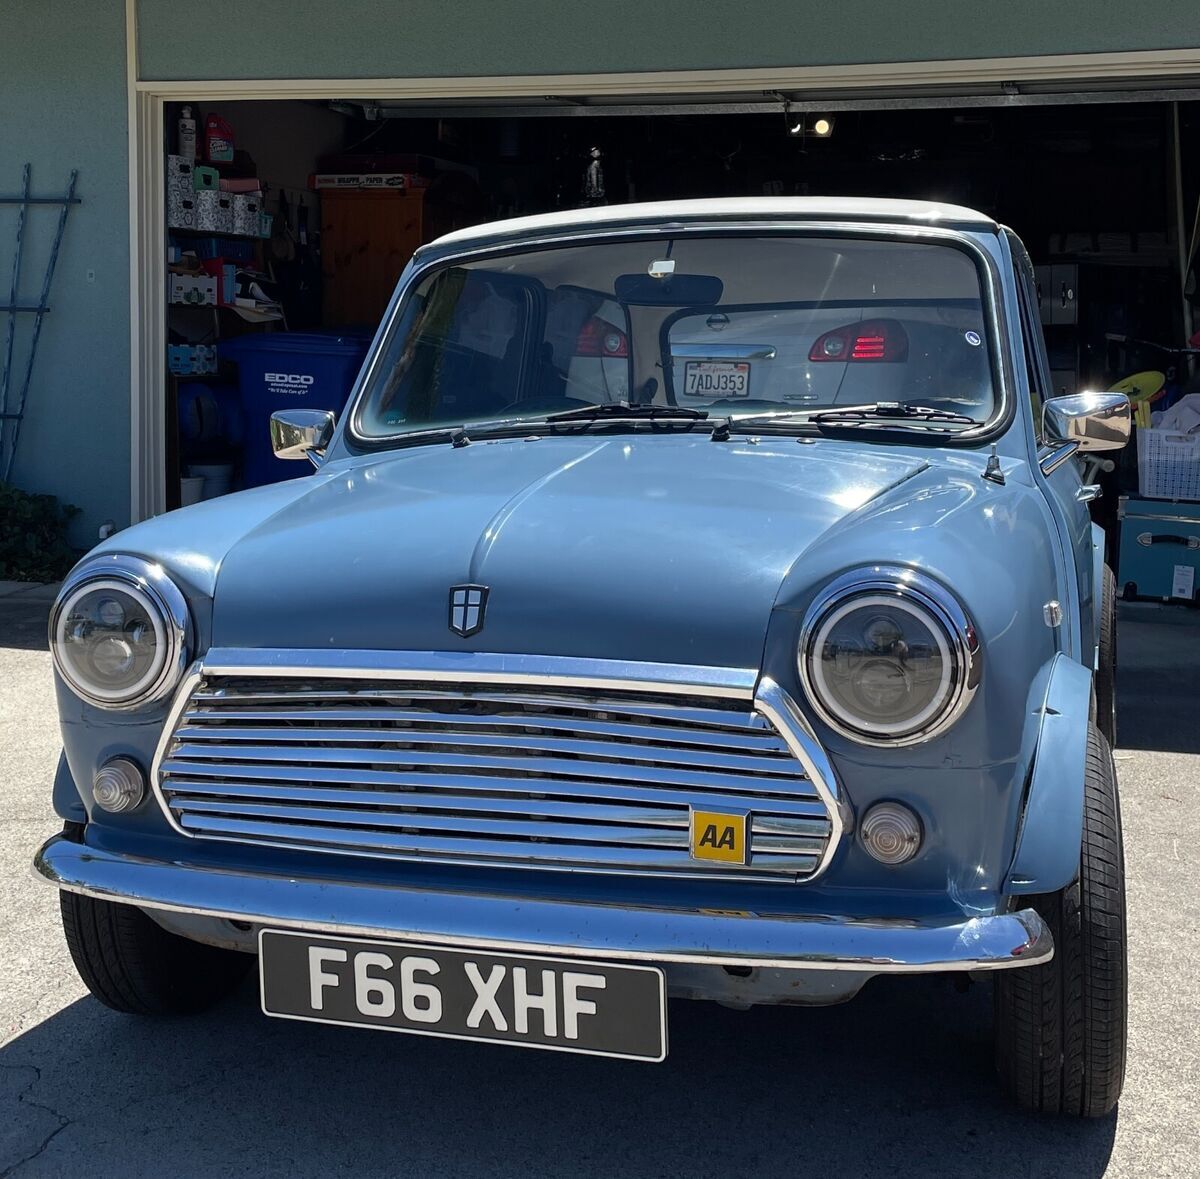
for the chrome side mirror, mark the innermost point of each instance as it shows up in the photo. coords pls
(302, 433)
(1092, 421)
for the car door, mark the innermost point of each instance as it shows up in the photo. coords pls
(1062, 477)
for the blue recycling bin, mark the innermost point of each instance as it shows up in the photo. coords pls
(289, 370)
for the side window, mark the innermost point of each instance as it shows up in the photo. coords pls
(1037, 369)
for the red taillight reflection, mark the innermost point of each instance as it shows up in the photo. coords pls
(873, 339)
(598, 338)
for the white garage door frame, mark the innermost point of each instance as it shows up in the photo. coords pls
(1081, 73)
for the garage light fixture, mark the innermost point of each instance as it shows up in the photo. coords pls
(820, 127)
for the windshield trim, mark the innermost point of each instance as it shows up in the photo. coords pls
(429, 260)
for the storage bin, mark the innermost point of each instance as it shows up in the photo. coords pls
(214, 210)
(289, 370)
(191, 490)
(1168, 465)
(232, 249)
(1160, 550)
(181, 208)
(181, 174)
(246, 208)
(218, 478)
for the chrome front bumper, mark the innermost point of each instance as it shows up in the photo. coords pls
(586, 929)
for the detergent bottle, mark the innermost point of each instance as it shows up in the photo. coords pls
(218, 140)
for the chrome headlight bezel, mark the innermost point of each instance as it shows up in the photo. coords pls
(915, 593)
(148, 585)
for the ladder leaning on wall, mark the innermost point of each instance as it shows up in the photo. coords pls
(14, 395)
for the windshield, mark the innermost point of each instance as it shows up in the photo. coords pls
(738, 326)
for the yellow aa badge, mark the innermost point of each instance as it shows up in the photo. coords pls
(719, 836)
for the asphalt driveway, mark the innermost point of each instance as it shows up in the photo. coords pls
(898, 1082)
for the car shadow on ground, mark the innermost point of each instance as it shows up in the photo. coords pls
(898, 1082)
(1158, 687)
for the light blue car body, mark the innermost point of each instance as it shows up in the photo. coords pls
(666, 548)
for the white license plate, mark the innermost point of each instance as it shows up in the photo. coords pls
(597, 1008)
(716, 378)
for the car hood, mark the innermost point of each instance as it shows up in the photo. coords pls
(663, 548)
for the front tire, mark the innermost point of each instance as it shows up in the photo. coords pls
(132, 964)
(1061, 1027)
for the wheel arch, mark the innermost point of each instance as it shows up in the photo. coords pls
(1051, 825)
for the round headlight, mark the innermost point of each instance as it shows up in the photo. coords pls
(887, 657)
(118, 632)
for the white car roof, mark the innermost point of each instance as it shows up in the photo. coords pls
(726, 208)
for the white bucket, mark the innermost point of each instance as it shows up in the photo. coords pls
(191, 490)
(218, 478)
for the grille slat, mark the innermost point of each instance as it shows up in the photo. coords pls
(541, 855)
(216, 778)
(765, 742)
(454, 761)
(505, 703)
(531, 777)
(502, 742)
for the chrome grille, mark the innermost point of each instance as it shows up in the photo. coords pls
(532, 776)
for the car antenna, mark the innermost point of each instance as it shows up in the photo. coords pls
(992, 471)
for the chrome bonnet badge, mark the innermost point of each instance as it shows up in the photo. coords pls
(467, 606)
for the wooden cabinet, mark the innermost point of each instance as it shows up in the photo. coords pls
(367, 238)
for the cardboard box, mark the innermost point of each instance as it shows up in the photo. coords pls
(187, 360)
(225, 272)
(195, 290)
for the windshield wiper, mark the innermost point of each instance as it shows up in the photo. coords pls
(886, 412)
(622, 410)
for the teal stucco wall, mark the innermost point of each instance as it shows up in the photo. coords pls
(447, 38)
(63, 106)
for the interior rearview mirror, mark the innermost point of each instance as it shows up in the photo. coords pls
(302, 433)
(1092, 421)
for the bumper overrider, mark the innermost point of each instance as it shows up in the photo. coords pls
(576, 929)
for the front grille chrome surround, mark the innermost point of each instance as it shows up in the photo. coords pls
(525, 761)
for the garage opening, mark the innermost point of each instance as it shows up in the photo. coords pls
(288, 223)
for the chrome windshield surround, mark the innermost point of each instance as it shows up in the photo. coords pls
(430, 258)
(149, 583)
(210, 786)
(945, 612)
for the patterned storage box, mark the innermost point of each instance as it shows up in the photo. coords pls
(214, 211)
(246, 208)
(181, 208)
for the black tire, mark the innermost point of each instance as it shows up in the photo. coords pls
(133, 965)
(1061, 1027)
(1106, 669)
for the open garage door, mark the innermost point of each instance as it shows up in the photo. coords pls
(1090, 159)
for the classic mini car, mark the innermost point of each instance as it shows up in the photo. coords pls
(693, 599)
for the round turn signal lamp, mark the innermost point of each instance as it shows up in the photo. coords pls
(890, 832)
(119, 785)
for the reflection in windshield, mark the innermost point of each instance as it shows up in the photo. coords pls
(784, 326)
